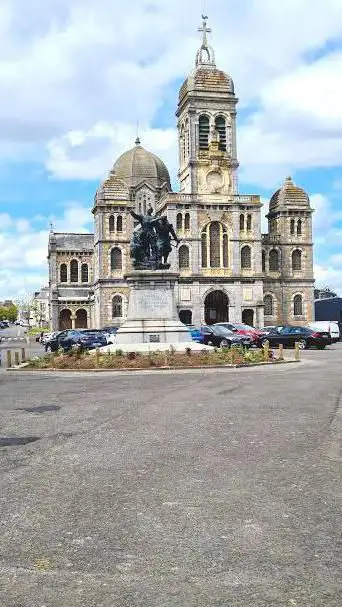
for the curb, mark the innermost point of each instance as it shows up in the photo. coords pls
(129, 369)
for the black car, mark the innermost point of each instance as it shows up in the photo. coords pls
(87, 339)
(215, 335)
(305, 337)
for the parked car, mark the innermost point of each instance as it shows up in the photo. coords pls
(87, 339)
(304, 336)
(195, 333)
(216, 335)
(272, 329)
(110, 333)
(45, 337)
(327, 325)
(241, 329)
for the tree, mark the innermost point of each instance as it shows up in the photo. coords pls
(9, 312)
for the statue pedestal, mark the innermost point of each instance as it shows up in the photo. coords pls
(152, 312)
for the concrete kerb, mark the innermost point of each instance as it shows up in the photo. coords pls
(154, 370)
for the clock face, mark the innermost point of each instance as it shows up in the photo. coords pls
(214, 181)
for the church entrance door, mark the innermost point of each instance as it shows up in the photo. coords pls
(81, 319)
(248, 317)
(216, 308)
(65, 320)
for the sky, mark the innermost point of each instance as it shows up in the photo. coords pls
(77, 75)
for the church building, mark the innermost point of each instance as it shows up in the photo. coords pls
(228, 269)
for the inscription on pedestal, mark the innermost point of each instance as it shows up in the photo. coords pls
(154, 339)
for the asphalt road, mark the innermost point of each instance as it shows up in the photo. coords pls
(191, 489)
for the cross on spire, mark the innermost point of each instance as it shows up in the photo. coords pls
(205, 55)
(205, 30)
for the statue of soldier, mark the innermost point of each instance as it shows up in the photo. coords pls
(165, 232)
(147, 236)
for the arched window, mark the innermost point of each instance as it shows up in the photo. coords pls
(298, 305)
(111, 223)
(184, 257)
(84, 272)
(242, 223)
(220, 125)
(182, 143)
(225, 250)
(268, 305)
(203, 132)
(117, 306)
(116, 259)
(292, 226)
(187, 221)
(249, 223)
(263, 261)
(214, 240)
(179, 222)
(215, 246)
(204, 241)
(274, 261)
(246, 258)
(296, 260)
(119, 223)
(299, 227)
(74, 271)
(63, 273)
(187, 140)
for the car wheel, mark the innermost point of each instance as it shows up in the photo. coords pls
(302, 344)
(224, 343)
(48, 349)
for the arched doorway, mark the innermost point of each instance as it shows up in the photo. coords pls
(185, 316)
(65, 320)
(248, 317)
(216, 308)
(81, 319)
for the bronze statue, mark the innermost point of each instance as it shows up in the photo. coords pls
(151, 244)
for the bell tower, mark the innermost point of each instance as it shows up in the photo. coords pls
(207, 126)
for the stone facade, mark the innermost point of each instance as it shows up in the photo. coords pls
(228, 269)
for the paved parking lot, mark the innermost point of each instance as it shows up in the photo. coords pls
(215, 488)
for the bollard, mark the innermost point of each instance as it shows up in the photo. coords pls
(266, 348)
(23, 355)
(281, 352)
(9, 359)
(297, 357)
(16, 359)
(97, 357)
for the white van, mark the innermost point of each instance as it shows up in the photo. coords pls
(327, 325)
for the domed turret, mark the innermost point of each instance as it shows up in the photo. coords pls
(289, 195)
(138, 165)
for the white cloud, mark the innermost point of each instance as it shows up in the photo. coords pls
(72, 65)
(90, 154)
(24, 248)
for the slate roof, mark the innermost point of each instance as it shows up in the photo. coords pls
(74, 242)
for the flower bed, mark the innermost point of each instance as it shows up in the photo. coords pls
(77, 360)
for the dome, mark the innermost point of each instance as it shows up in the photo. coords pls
(289, 195)
(207, 79)
(138, 165)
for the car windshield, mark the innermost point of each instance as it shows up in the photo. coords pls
(91, 333)
(221, 329)
(244, 327)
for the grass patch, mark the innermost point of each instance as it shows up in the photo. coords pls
(78, 360)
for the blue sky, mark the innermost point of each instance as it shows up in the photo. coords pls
(76, 76)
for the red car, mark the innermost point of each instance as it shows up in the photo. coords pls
(241, 329)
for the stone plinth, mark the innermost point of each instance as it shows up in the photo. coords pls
(152, 316)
